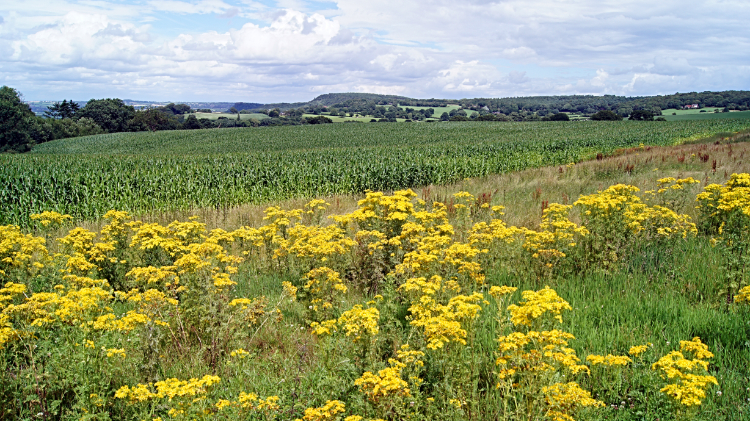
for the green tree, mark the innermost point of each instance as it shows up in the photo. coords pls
(62, 110)
(153, 120)
(111, 114)
(16, 118)
(321, 119)
(642, 115)
(559, 117)
(191, 123)
(606, 115)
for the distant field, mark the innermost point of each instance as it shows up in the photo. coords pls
(215, 116)
(706, 116)
(681, 111)
(172, 170)
(337, 119)
(576, 117)
(439, 110)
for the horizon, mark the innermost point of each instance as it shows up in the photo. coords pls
(28, 101)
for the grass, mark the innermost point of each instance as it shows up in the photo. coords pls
(659, 295)
(215, 116)
(688, 111)
(338, 119)
(524, 192)
(182, 170)
(601, 136)
(438, 111)
(709, 115)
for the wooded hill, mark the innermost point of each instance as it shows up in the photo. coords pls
(543, 105)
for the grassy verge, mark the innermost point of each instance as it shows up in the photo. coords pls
(67, 358)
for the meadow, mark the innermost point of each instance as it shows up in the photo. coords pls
(438, 111)
(611, 289)
(181, 170)
(357, 117)
(683, 115)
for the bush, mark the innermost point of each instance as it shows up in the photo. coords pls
(642, 115)
(606, 115)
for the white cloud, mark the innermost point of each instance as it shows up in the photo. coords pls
(184, 7)
(245, 50)
(467, 77)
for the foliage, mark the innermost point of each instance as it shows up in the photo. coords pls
(181, 170)
(147, 321)
(153, 120)
(561, 117)
(606, 115)
(726, 215)
(642, 115)
(14, 120)
(110, 114)
(62, 110)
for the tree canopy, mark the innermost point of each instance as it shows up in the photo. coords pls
(642, 115)
(559, 117)
(62, 110)
(606, 115)
(14, 121)
(110, 114)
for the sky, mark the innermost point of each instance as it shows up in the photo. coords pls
(293, 50)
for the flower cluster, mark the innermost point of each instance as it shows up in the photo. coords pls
(608, 360)
(688, 378)
(50, 218)
(327, 412)
(565, 398)
(537, 304)
(169, 388)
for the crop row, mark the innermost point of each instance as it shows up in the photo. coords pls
(142, 172)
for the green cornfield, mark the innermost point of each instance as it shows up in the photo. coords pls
(178, 170)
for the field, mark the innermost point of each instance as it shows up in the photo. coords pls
(337, 119)
(688, 111)
(708, 115)
(438, 111)
(551, 293)
(181, 170)
(215, 116)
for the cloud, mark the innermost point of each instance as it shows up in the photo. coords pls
(467, 77)
(247, 50)
(517, 77)
(183, 7)
(230, 13)
(672, 66)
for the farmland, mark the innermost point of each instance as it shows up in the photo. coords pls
(621, 298)
(144, 172)
(216, 116)
(440, 110)
(709, 115)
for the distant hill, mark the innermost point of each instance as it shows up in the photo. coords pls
(247, 106)
(543, 105)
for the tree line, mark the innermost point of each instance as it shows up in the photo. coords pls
(20, 128)
(517, 108)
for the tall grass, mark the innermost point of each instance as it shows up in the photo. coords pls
(661, 294)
